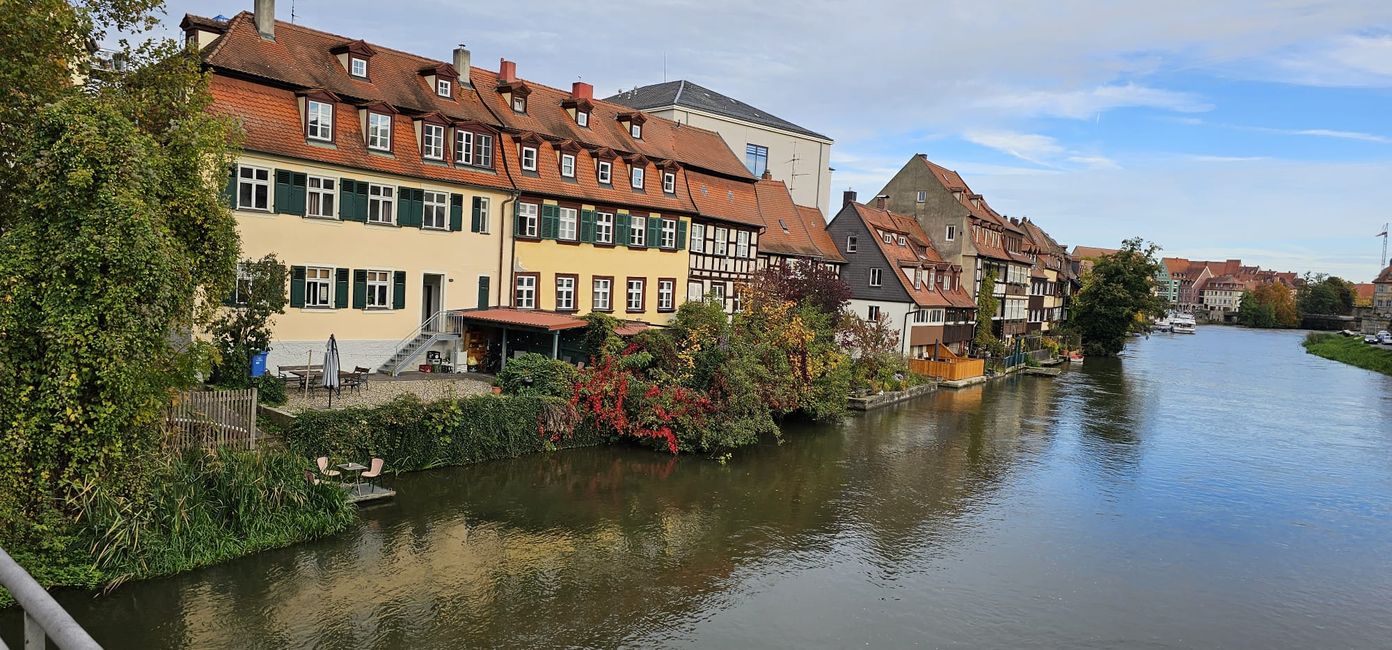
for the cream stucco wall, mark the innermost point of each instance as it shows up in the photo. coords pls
(367, 337)
(896, 311)
(808, 179)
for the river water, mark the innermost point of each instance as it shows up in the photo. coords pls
(1223, 490)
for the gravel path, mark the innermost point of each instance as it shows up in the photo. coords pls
(381, 392)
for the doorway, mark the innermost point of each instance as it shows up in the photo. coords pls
(432, 288)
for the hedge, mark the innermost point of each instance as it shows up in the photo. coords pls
(411, 435)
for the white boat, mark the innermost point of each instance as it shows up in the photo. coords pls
(1181, 323)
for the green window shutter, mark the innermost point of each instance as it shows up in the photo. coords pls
(404, 217)
(340, 288)
(282, 190)
(654, 231)
(297, 289)
(681, 234)
(352, 200)
(456, 222)
(398, 290)
(550, 221)
(477, 217)
(359, 289)
(229, 193)
(621, 229)
(298, 183)
(587, 226)
(483, 292)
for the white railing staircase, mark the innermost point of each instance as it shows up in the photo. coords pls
(433, 330)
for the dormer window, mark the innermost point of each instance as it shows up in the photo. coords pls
(568, 165)
(357, 67)
(582, 118)
(669, 182)
(519, 103)
(636, 130)
(433, 141)
(529, 159)
(901, 240)
(319, 120)
(604, 171)
(635, 177)
(379, 132)
(444, 88)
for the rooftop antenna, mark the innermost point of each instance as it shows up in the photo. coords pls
(664, 67)
(292, 12)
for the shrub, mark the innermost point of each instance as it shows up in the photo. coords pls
(536, 375)
(269, 390)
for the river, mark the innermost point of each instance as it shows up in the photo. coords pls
(1223, 490)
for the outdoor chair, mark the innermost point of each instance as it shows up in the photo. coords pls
(352, 381)
(323, 462)
(310, 478)
(362, 375)
(374, 471)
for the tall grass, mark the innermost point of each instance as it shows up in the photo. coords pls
(1351, 350)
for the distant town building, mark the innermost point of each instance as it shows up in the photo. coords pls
(1382, 293)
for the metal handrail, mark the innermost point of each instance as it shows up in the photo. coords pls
(44, 618)
(417, 332)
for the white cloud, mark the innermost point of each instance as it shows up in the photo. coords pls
(1084, 103)
(1030, 147)
(1347, 60)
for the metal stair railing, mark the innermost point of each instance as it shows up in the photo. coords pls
(431, 328)
(44, 618)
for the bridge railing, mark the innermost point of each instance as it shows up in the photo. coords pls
(44, 618)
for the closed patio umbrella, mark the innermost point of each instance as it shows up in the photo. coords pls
(331, 367)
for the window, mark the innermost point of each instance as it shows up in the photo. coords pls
(604, 228)
(888, 238)
(519, 103)
(669, 233)
(669, 182)
(568, 165)
(635, 294)
(902, 241)
(742, 243)
(241, 291)
(464, 147)
(722, 242)
(635, 177)
(319, 202)
(922, 196)
(568, 228)
(524, 297)
(717, 292)
(876, 277)
(529, 155)
(357, 67)
(637, 231)
(436, 205)
(698, 238)
(479, 216)
(379, 289)
(565, 293)
(695, 291)
(433, 141)
(666, 298)
(379, 204)
(605, 172)
(443, 87)
(951, 233)
(320, 121)
(851, 244)
(601, 298)
(582, 118)
(483, 157)
(253, 188)
(527, 219)
(318, 287)
(935, 316)
(873, 313)
(379, 131)
(756, 158)
(635, 130)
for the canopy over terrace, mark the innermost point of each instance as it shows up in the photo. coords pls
(527, 330)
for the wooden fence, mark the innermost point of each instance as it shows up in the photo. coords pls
(949, 370)
(216, 418)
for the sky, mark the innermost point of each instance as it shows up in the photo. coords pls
(1217, 129)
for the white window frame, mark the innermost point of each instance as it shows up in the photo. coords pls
(528, 213)
(319, 201)
(951, 234)
(519, 103)
(483, 150)
(568, 165)
(722, 242)
(637, 230)
(636, 130)
(527, 283)
(318, 125)
(852, 242)
(383, 198)
(565, 297)
(463, 147)
(876, 277)
(353, 63)
(319, 291)
(936, 316)
(666, 295)
(635, 289)
(438, 203)
(568, 226)
(444, 88)
(259, 177)
(582, 118)
(602, 294)
(635, 177)
(717, 292)
(604, 172)
(922, 196)
(485, 208)
(379, 285)
(669, 182)
(742, 244)
(432, 141)
(379, 135)
(529, 159)
(604, 228)
(873, 313)
(698, 238)
(669, 233)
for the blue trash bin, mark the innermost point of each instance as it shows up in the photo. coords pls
(258, 363)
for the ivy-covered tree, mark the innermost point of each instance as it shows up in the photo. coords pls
(1116, 297)
(986, 307)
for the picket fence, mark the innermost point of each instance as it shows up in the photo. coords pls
(213, 418)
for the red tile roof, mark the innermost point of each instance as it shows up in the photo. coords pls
(916, 252)
(724, 198)
(537, 319)
(1385, 277)
(786, 231)
(547, 178)
(1091, 252)
(816, 224)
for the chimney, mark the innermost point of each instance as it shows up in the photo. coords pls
(507, 71)
(848, 197)
(462, 65)
(882, 202)
(766, 176)
(922, 156)
(581, 90)
(265, 18)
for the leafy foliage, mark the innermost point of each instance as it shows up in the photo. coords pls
(875, 344)
(537, 375)
(243, 329)
(986, 308)
(805, 282)
(1327, 295)
(1115, 298)
(1269, 305)
(1351, 350)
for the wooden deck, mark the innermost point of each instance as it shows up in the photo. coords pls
(366, 493)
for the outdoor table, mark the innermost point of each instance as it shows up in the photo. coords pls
(357, 478)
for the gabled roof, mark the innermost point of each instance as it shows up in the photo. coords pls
(1091, 252)
(816, 225)
(724, 198)
(786, 231)
(1384, 277)
(585, 184)
(916, 252)
(689, 95)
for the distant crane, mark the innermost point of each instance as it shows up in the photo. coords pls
(1383, 235)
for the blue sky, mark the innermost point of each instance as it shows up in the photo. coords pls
(1241, 128)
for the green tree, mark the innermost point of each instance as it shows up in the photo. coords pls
(1269, 305)
(986, 308)
(243, 328)
(1116, 298)
(1325, 294)
(1252, 312)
